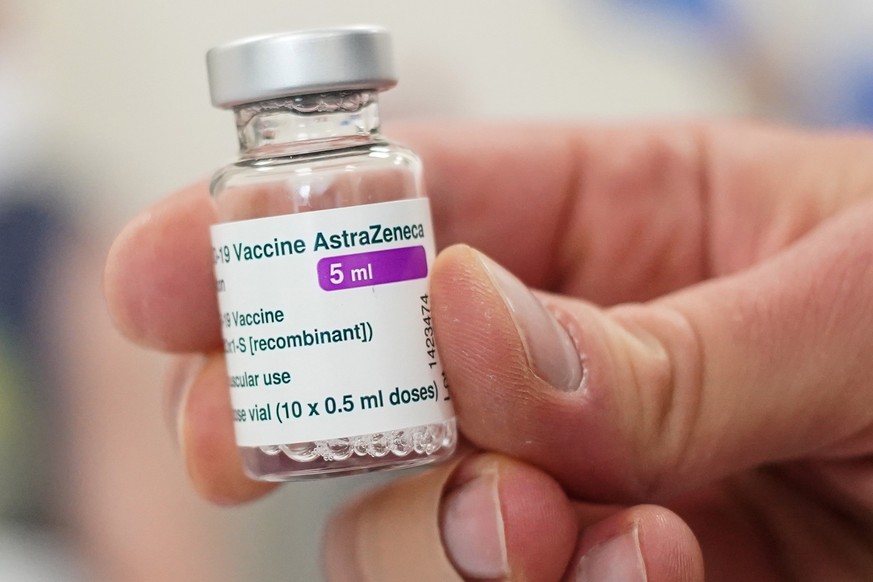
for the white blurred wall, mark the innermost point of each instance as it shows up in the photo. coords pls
(126, 89)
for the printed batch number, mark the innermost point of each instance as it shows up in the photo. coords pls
(430, 342)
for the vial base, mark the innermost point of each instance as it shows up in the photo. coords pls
(396, 449)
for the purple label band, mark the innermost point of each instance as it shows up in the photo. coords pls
(374, 268)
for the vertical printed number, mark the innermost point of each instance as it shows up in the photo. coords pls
(429, 343)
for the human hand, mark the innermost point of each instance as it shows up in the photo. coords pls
(697, 388)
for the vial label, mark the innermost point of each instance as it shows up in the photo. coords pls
(326, 321)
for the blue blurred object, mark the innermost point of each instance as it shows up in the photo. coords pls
(698, 11)
(860, 93)
(33, 230)
(810, 66)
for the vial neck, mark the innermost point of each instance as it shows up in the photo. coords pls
(307, 123)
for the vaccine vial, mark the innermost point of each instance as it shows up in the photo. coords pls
(322, 252)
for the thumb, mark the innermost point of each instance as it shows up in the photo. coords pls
(642, 402)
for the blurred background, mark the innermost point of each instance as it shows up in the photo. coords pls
(105, 109)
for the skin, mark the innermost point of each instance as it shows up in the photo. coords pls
(109, 525)
(717, 283)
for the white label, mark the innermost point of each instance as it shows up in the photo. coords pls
(327, 324)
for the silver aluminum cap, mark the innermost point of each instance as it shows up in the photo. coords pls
(298, 63)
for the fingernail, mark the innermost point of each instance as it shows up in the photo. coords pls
(472, 526)
(618, 559)
(178, 380)
(550, 350)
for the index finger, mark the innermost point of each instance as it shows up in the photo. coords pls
(158, 282)
(506, 190)
(629, 213)
(158, 279)
(614, 214)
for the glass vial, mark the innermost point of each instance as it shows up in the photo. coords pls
(322, 252)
